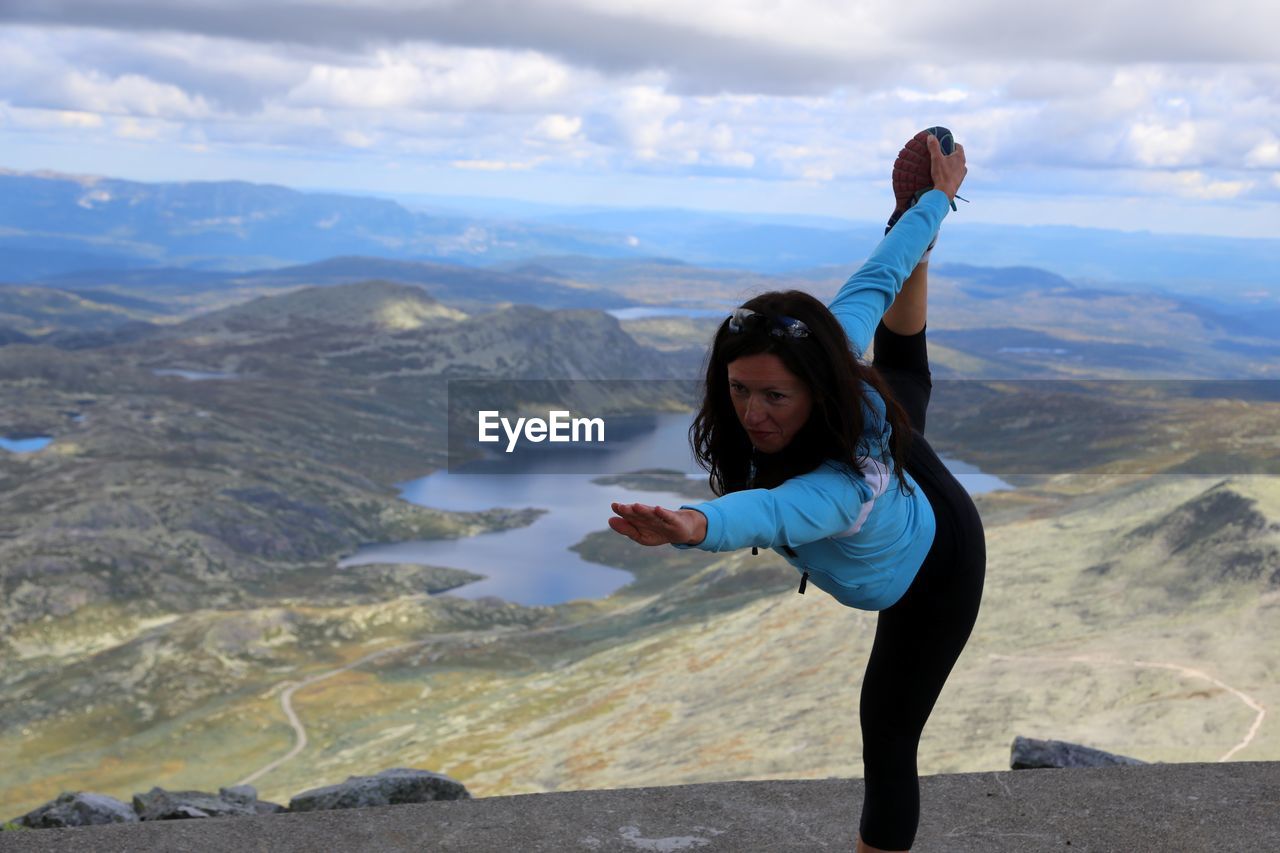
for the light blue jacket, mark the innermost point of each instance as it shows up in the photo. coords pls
(860, 539)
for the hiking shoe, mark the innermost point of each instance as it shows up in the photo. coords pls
(912, 176)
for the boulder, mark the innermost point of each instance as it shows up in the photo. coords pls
(248, 795)
(78, 809)
(159, 804)
(390, 787)
(1029, 754)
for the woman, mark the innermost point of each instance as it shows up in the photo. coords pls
(819, 456)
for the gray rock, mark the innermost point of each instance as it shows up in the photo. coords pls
(159, 804)
(245, 794)
(248, 795)
(1029, 754)
(78, 809)
(264, 807)
(390, 787)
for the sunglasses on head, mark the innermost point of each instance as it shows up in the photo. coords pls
(779, 327)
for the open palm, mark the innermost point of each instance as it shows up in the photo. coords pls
(654, 525)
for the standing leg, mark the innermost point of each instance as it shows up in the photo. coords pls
(917, 642)
(919, 638)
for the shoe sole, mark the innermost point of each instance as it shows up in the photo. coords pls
(912, 174)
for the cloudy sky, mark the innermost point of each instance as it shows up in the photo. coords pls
(1130, 113)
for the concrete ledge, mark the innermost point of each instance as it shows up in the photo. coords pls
(1161, 807)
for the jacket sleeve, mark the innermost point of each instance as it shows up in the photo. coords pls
(812, 506)
(870, 291)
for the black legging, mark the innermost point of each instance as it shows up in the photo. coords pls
(920, 637)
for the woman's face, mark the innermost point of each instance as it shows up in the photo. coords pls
(772, 403)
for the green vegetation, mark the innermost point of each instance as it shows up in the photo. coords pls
(168, 569)
(661, 480)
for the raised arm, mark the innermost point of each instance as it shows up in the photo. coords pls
(869, 292)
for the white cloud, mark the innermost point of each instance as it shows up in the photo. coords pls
(643, 114)
(357, 139)
(735, 159)
(782, 90)
(54, 119)
(1265, 154)
(437, 79)
(1050, 80)
(132, 128)
(817, 173)
(558, 128)
(809, 163)
(1194, 184)
(126, 95)
(1162, 145)
(946, 96)
(493, 165)
(78, 119)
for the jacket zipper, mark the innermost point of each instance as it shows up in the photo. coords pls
(755, 550)
(751, 484)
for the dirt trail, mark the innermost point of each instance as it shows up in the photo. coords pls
(286, 702)
(291, 687)
(1260, 711)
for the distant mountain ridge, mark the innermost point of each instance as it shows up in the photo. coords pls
(379, 304)
(52, 224)
(988, 321)
(168, 290)
(56, 224)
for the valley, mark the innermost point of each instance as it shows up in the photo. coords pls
(169, 572)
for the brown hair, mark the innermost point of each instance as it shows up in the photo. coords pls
(838, 381)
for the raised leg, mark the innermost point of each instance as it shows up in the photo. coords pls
(903, 362)
(908, 313)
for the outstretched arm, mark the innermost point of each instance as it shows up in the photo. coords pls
(812, 506)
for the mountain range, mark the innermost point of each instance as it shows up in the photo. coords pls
(52, 224)
(169, 563)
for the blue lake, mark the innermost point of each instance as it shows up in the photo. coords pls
(533, 564)
(25, 445)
